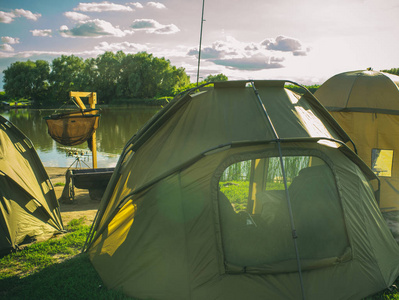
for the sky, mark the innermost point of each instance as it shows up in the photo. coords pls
(304, 41)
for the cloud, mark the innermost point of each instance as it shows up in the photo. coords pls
(76, 16)
(135, 4)
(93, 29)
(156, 5)
(269, 54)
(9, 40)
(207, 53)
(284, 44)
(8, 17)
(251, 63)
(27, 14)
(124, 46)
(152, 26)
(102, 6)
(41, 32)
(6, 47)
(237, 55)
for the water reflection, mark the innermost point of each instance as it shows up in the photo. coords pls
(117, 126)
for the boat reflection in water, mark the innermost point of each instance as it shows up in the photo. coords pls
(117, 126)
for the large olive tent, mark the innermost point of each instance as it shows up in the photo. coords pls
(366, 105)
(242, 191)
(28, 205)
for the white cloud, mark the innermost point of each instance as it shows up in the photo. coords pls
(233, 54)
(26, 14)
(6, 47)
(93, 29)
(102, 6)
(8, 17)
(9, 40)
(135, 4)
(255, 62)
(41, 32)
(76, 16)
(157, 5)
(282, 43)
(152, 26)
(124, 46)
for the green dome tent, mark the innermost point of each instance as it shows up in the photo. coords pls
(28, 205)
(242, 190)
(366, 105)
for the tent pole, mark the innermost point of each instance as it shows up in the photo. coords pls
(287, 195)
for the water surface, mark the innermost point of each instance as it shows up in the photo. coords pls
(117, 126)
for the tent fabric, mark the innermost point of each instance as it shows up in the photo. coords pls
(73, 128)
(362, 91)
(366, 105)
(28, 204)
(165, 230)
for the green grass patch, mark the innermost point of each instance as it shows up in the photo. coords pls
(237, 192)
(59, 184)
(54, 269)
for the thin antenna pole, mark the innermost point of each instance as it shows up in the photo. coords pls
(199, 50)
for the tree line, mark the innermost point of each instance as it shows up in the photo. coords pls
(112, 75)
(394, 71)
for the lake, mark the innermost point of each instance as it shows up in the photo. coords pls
(117, 126)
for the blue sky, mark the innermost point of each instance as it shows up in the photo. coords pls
(305, 41)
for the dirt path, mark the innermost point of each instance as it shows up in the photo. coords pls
(83, 205)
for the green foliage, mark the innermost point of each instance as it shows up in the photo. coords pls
(112, 75)
(394, 71)
(27, 80)
(236, 192)
(218, 77)
(3, 96)
(65, 76)
(145, 76)
(301, 91)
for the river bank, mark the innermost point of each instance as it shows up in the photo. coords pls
(83, 205)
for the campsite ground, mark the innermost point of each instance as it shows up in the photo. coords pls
(83, 206)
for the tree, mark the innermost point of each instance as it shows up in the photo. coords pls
(218, 77)
(27, 80)
(394, 71)
(108, 75)
(111, 75)
(66, 76)
(145, 76)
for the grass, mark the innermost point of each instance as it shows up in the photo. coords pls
(59, 184)
(55, 269)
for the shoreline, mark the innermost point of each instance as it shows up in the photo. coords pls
(83, 207)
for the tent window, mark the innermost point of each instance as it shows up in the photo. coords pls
(381, 162)
(254, 215)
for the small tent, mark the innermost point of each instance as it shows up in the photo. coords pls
(366, 105)
(242, 190)
(28, 205)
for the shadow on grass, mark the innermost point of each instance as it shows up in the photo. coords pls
(75, 278)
